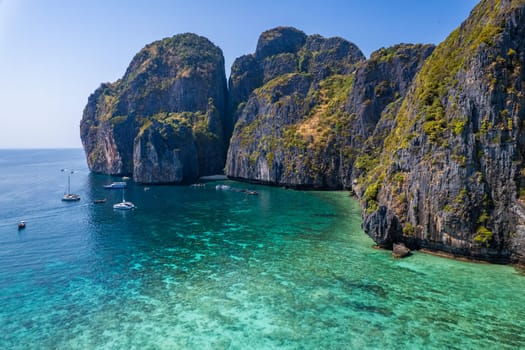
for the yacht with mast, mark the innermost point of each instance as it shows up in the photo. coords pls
(68, 196)
(124, 205)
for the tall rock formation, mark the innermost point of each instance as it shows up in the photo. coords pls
(282, 95)
(450, 176)
(306, 105)
(165, 120)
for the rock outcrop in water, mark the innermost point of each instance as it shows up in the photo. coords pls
(429, 138)
(165, 120)
(450, 173)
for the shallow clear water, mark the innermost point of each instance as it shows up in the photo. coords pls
(196, 268)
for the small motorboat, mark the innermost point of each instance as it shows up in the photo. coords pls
(21, 225)
(116, 185)
(251, 193)
(223, 188)
(100, 201)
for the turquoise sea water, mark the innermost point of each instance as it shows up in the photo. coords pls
(196, 268)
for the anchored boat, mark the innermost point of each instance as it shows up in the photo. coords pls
(124, 205)
(116, 185)
(68, 196)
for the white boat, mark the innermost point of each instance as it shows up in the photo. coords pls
(68, 196)
(222, 187)
(124, 205)
(116, 185)
(198, 185)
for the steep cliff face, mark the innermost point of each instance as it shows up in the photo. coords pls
(280, 101)
(382, 80)
(303, 123)
(165, 120)
(381, 84)
(106, 140)
(449, 176)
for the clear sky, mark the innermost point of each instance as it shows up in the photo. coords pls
(55, 53)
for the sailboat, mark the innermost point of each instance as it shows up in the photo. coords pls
(124, 205)
(68, 196)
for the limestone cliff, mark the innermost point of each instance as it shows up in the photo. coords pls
(289, 129)
(165, 120)
(303, 123)
(449, 175)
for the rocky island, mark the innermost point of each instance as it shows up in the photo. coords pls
(428, 138)
(165, 120)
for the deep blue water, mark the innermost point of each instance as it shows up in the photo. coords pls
(196, 268)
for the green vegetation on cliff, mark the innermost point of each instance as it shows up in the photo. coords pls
(186, 53)
(430, 99)
(453, 142)
(293, 126)
(177, 82)
(425, 110)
